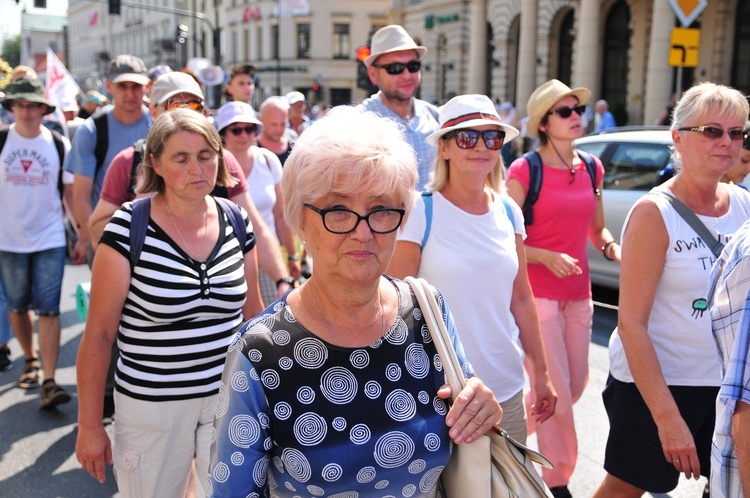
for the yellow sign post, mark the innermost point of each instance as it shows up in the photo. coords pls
(684, 47)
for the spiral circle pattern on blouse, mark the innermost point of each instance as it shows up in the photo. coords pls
(310, 353)
(408, 490)
(400, 405)
(417, 466)
(221, 472)
(282, 410)
(315, 490)
(440, 407)
(260, 470)
(372, 389)
(423, 397)
(359, 358)
(270, 379)
(338, 385)
(296, 464)
(417, 361)
(432, 441)
(393, 449)
(399, 333)
(310, 429)
(426, 336)
(366, 474)
(239, 382)
(339, 423)
(381, 484)
(222, 401)
(285, 363)
(393, 372)
(305, 395)
(359, 434)
(237, 458)
(332, 472)
(430, 479)
(243, 431)
(254, 355)
(281, 337)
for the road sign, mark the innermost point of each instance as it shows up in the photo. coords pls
(684, 47)
(688, 11)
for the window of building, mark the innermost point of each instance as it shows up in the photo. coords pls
(275, 41)
(616, 60)
(40, 4)
(341, 41)
(565, 49)
(303, 41)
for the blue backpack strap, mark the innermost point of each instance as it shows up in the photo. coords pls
(235, 219)
(427, 199)
(138, 227)
(509, 211)
(588, 160)
(534, 161)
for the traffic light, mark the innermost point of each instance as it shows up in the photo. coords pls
(114, 7)
(181, 34)
(318, 92)
(363, 79)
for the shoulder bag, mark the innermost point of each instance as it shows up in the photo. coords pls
(494, 466)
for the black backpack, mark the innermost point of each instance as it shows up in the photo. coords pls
(57, 138)
(534, 161)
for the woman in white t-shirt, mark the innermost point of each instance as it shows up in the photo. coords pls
(664, 369)
(239, 128)
(474, 254)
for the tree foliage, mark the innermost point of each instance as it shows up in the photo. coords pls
(11, 51)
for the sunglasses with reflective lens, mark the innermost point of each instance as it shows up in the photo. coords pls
(249, 129)
(566, 112)
(195, 105)
(467, 139)
(398, 67)
(717, 133)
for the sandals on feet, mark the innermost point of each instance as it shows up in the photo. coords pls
(29, 375)
(53, 395)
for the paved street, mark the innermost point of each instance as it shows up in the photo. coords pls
(37, 457)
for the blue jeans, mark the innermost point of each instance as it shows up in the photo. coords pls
(33, 280)
(4, 318)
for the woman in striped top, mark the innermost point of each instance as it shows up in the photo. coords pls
(178, 307)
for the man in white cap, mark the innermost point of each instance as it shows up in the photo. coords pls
(298, 121)
(394, 65)
(98, 140)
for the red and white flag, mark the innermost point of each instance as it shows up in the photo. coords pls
(93, 18)
(61, 89)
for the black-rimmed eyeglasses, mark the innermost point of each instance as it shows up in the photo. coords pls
(340, 221)
(398, 67)
(717, 133)
(467, 139)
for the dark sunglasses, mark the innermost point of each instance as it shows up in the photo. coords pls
(398, 67)
(566, 112)
(717, 133)
(467, 139)
(195, 105)
(249, 129)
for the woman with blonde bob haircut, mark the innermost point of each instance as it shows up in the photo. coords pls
(173, 314)
(664, 375)
(469, 220)
(336, 383)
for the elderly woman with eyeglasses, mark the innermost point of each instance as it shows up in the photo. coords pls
(664, 369)
(567, 214)
(466, 236)
(334, 389)
(239, 127)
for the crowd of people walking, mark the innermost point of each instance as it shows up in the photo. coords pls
(248, 330)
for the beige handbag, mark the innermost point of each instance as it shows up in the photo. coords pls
(495, 465)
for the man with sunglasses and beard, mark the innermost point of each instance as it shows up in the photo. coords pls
(394, 65)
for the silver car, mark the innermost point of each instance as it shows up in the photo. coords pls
(633, 163)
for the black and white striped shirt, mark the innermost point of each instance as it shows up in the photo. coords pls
(180, 314)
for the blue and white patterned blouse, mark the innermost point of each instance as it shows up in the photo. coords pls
(298, 416)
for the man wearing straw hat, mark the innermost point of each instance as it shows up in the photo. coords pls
(394, 65)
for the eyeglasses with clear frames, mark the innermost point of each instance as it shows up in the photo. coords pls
(716, 133)
(339, 220)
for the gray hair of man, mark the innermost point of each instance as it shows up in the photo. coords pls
(348, 151)
(706, 100)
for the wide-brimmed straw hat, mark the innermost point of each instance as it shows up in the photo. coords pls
(236, 112)
(544, 97)
(392, 38)
(468, 111)
(27, 90)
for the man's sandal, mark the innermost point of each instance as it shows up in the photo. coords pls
(29, 375)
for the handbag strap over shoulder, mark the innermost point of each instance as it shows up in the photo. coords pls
(695, 223)
(432, 314)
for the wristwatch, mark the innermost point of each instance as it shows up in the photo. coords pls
(285, 280)
(293, 257)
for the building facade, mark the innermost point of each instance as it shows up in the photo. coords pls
(620, 49)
